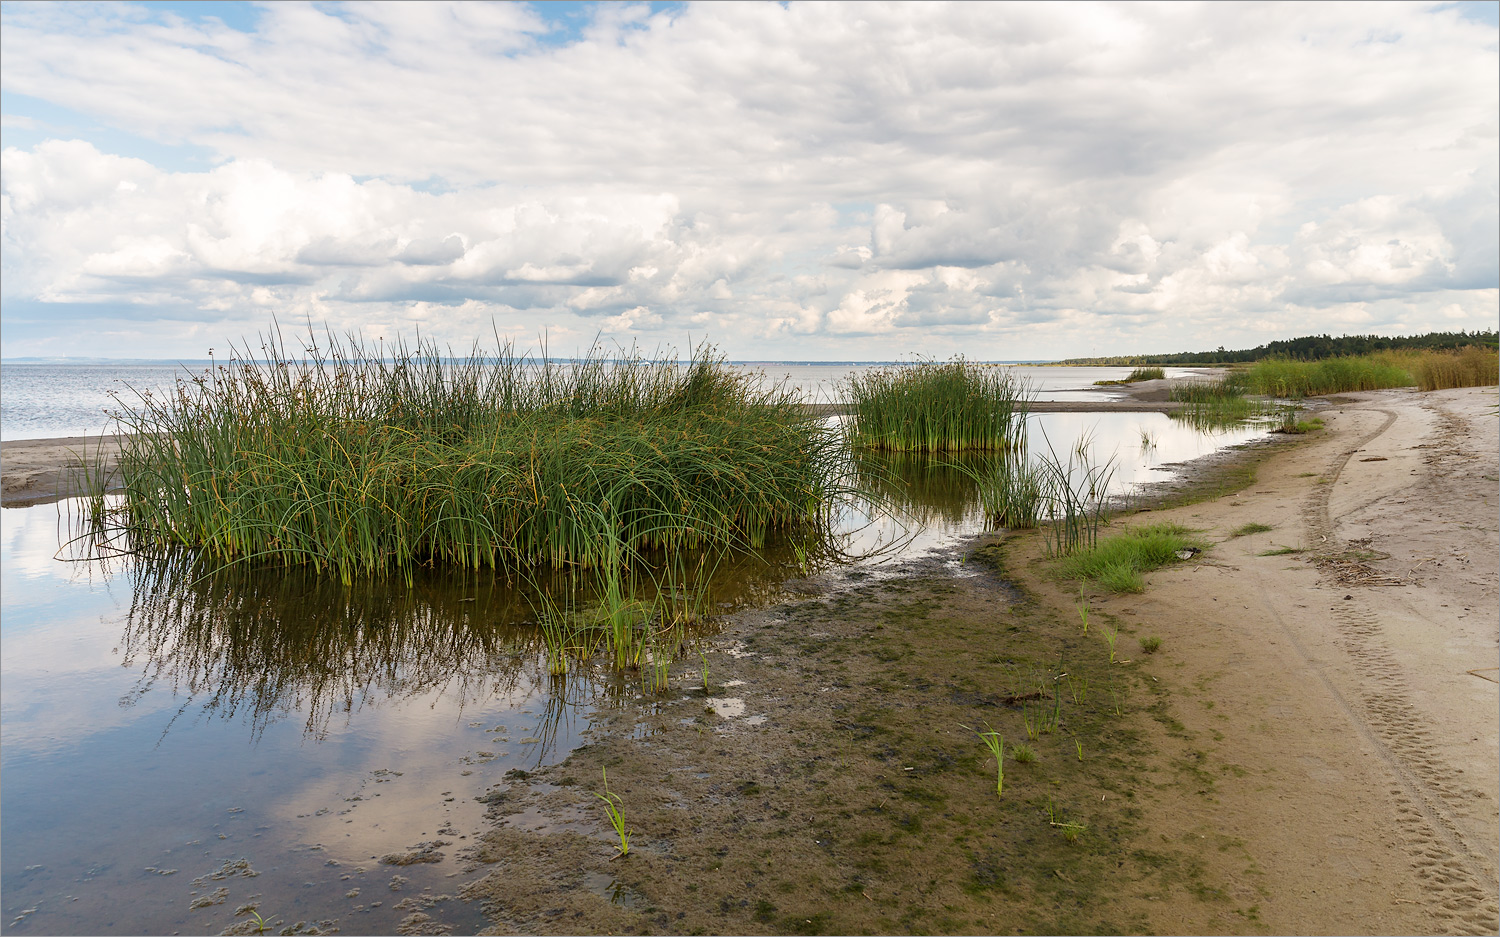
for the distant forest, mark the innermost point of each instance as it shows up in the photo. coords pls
(1308, 348)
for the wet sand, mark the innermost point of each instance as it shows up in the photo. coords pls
(35, 471)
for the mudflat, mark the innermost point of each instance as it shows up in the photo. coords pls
(1312, 749)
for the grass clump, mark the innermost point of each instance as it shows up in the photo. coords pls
(1151, 645)
(359, 460)
(1139, 374)
(1246, 530)
(1023, 753)
(931, 407)
(1116, 563)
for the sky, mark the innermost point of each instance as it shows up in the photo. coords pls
(797, 181)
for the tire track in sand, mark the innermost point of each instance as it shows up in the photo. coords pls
(1428, 793)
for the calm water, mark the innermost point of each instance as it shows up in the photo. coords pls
(48, 400)
(155, 725)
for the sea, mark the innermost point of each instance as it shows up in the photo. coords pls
(47, 400)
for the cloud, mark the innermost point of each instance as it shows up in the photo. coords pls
(1017, 172)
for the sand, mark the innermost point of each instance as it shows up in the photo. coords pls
(35, 471)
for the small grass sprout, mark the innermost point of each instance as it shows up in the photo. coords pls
(1151, 645)
(1279, 551)
(612, 803)
(1078, 744)
(1071, 830)
(1083, 610)
(1024, 754)
(1079, 685)
(995, 742)
(1110, 637)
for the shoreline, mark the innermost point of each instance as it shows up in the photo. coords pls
(1311, 750)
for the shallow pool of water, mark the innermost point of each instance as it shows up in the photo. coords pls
(164, 735)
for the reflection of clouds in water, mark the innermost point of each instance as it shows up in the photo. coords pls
(29, 538)
(1119, 435)
(932, 503)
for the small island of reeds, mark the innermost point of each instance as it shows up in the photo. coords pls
(359, 460)
(936, 407)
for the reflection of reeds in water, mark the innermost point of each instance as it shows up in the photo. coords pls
(920, 487)
(262, 644)
(1216, 406)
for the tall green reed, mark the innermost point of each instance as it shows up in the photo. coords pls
(932, 407)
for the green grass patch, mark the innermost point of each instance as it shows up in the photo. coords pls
(1251, 528)
(1146, 374)
(932, 407)
(1116, 563)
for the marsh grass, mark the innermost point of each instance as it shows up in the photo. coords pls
(931, 407)
(1013, 492)
(1117, 562)
(1468, 367)
(1146, 374)
(359, 460)
(1285, 377)
(612, 805)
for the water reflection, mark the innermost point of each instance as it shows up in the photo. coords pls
(264, 644)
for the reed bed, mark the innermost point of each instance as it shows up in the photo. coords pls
(931, 407)
(1146, 374)
(358, 460)
(1284, 377)
(1468, 367)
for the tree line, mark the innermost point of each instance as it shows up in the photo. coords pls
(1307, 348)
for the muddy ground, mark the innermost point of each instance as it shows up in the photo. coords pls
(1312, 749)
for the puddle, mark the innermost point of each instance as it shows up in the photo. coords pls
(729, 707)
(614, 892)
(160, 727)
